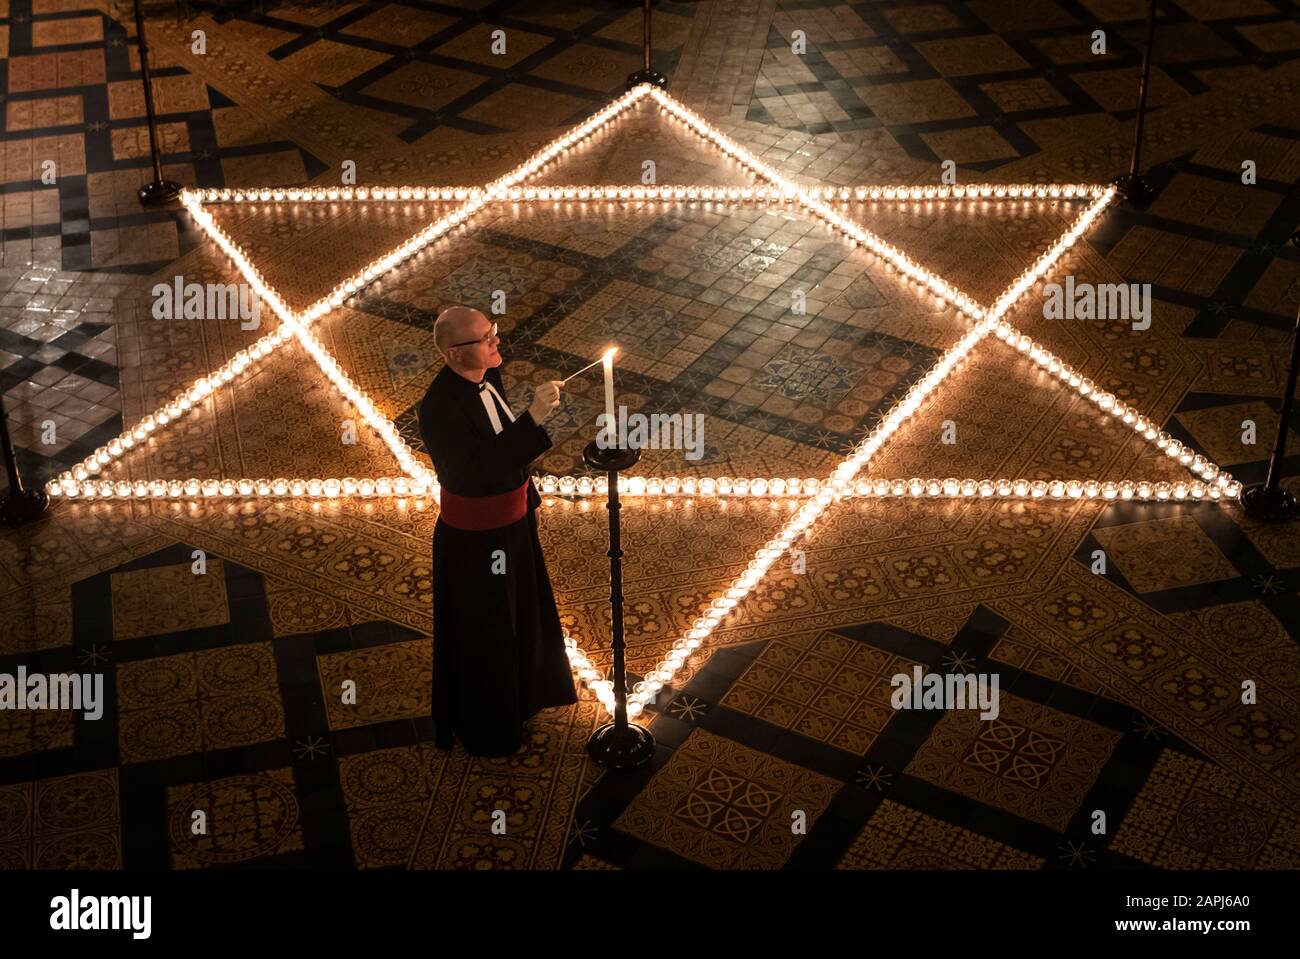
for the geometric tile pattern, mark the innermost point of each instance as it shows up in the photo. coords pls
(724, 806)
(901, 838)
(244, 818)
(191, 702)
(58, 367)
(1190, 816)
(390, 682)
(1030, 760)
(1165, 553)
(65, 822)
(1083, 648)
(35, 731)
(825, 687)
(952, 82)
(385, 792)
(193, 601)
(724, 791)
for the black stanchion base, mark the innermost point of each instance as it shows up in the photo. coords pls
(646, 76)
(22, 508)
(626, 748)
(614, 746)
(160, 193)
(1269, 505)
(609, 459)
(1135, 190)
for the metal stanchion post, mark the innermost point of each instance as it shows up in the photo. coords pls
(1134, 187)
(647, 72)
(1267, 500)
(160, 191)
(618, 744)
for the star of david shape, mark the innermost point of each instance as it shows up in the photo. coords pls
(419, 480)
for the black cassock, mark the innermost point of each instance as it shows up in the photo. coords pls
(498, 649)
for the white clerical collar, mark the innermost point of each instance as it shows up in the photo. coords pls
(486, 392)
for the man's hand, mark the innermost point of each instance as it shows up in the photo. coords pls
(545, 399)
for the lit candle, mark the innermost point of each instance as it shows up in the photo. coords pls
(608, 361)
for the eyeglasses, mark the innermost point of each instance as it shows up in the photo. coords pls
(482, 340)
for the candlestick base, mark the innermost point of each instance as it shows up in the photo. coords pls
(19, 509)
(1135, 190)
(1270, 505)
(646, 76)
(630, 747)
(612, 459)
(159, 193)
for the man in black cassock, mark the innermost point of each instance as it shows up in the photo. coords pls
(498, 649)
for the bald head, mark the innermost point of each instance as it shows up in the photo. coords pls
(456, 324)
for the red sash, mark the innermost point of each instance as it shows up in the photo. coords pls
(484, 512)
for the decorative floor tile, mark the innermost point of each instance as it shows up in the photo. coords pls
(166, 599)
(192, 701)
(1145, 553)
(23, 732)
(295, 610)
(244, 819)
(68, 822)
(823, 686)
(1031, 760)
(1223, 431)
(1190, 815)
(720, 804)
(387, 796)
(897, 837)
(390, 682)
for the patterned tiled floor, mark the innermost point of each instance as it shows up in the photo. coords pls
(991, 80)
(225, 629)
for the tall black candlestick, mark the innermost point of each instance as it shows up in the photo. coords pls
(160, 191)
(1133, 187)
(1267, 500)
(618, 744)
(647, 72)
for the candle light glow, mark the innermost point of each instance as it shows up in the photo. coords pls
(814, 495)
(610, 420)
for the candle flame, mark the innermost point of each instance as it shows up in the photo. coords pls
(609, 354)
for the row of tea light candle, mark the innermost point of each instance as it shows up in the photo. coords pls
(475, 198)
(842, 482)
(674, 191)
(655, 486)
